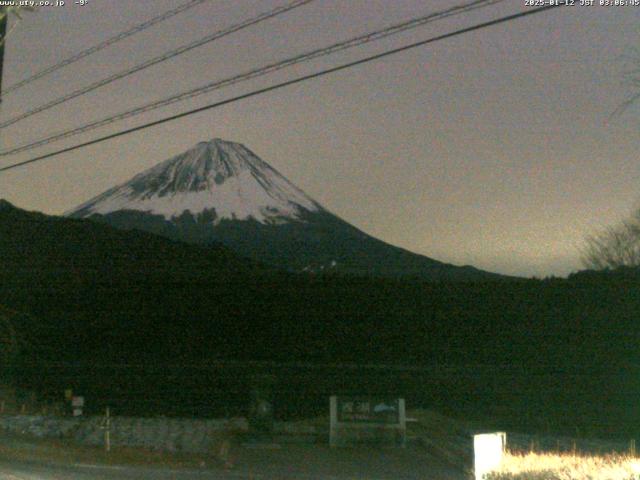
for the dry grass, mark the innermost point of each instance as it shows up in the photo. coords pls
(545, 466)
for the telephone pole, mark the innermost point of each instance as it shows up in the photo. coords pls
(3, 34)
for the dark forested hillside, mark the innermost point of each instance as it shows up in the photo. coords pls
(105, 296)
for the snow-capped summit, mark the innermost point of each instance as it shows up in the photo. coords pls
(221, 192)
(224, 180)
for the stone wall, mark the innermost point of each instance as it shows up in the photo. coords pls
(168, 434)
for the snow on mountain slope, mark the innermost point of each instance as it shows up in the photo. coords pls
(219, 177)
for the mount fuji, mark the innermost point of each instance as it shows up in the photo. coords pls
(221, 192)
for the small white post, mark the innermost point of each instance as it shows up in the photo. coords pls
(107, 432)
(402, 413)
(333, 426)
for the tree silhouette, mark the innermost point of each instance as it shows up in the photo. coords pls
(614, 247)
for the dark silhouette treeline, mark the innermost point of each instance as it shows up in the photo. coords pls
(147, 324)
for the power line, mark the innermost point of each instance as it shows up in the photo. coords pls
(345, 366)
(283, 84)
(255, 73)
(156, 60)
(100, 46)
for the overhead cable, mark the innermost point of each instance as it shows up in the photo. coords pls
(156, 60)
(102, 45)
(255, 73)
(278, 86)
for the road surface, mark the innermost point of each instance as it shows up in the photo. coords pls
(380, 465)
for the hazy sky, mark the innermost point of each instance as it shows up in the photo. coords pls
(494, 149)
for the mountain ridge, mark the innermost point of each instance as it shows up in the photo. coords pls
(220, 191)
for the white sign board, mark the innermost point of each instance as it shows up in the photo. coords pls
(488, 451)
(366, 417)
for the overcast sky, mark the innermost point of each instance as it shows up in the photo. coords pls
(495, 148)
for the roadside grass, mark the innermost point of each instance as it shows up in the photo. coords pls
(63, 451)
(441, 436)
(553, 466)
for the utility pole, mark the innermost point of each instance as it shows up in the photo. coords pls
(3, 35)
